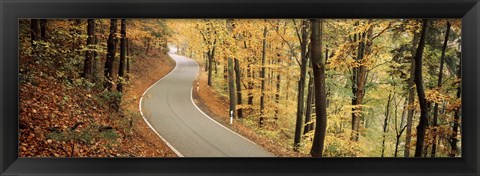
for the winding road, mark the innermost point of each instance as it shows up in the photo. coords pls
(168, 108)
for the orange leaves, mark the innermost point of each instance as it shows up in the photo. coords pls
(434, 95)
(49, 109)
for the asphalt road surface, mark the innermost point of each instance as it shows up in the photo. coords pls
(169, 109)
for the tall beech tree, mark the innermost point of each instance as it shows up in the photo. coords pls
(420, 91)
(411, 97)
(89, 55)
(238, 85)
(308, 126)
(128, 54)
(453, 139)
(385, 122)
(318, 66)
(399, 129)
(262, 77)
(43, 28)
(439, 85)
(111, 45)
(231, 74)
(231, 88)
(359, 77)
(208, 36)
(123, 42)
(95, 58)
(303, 39)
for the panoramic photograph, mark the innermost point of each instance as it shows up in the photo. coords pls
(240, 88)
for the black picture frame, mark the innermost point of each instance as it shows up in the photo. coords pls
(13, 10)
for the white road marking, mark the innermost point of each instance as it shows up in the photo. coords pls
(191, 97)
(149, 125)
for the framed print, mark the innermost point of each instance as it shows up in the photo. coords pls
(239, 87)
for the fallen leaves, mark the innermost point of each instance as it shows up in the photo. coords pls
(49, 106)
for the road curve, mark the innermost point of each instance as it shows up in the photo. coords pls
(168, 108)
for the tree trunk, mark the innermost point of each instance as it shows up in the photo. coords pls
(411, 99)
(439, 85)
(206, 61)
(239, 87)
(358, 82)
(87, 65)
(43, 29)
(225, 76)
(215, 63)
(318, 65)
(250, 84)
(231, 87)
(456, 124)
(94, 60)
(329, 76)
(308, 112)
(277, 92)
(34, 32)
(211, 56)
(421, 92)
(399, 134)
(111, 43)
(147, 46)
(262, 77)
(385, 123)
(123, 42)
(301, 87)
(128, 54)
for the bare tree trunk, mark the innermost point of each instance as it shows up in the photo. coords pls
(262, 76)
(94, 60)
(411, 99)
(277, 92)
(121, 67)
(111, 44)
(231, 87)
(439, 85)
(211, 56)
(147, 46)
(225, 76)
(456, 124)
(206, 61)
(128, 55)
(308, 112)
(43, 29)
(89, 55)
(421, 92)
(318, 65)
(399, 134)
(301, 86)
(385, 123)
(239, 88)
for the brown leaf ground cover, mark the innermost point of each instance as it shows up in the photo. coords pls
(69, 118)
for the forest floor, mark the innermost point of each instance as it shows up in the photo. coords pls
(62, 118)
(216, 106)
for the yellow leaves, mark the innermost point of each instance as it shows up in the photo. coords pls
(455, 105)
(434, 95)
(342, 146)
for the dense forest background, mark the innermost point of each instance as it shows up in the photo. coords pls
(373, 87)
(320, 87)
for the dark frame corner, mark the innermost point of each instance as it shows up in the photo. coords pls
(11, 11)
